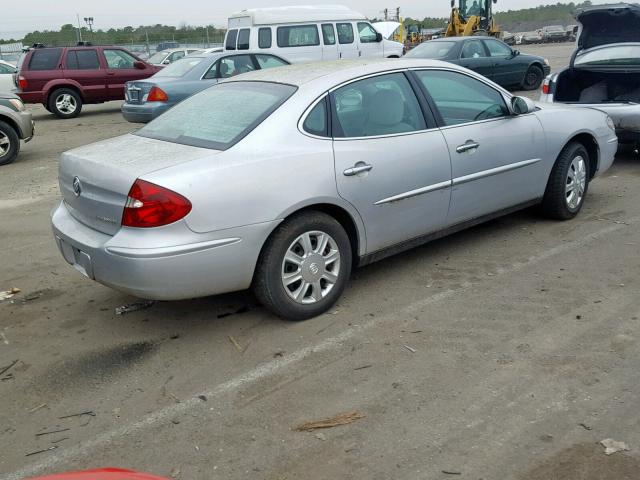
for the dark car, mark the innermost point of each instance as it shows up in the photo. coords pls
(488, 56)
(65, 78)
(554, 33)
(147, 99)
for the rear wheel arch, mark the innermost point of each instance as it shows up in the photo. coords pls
(58, 86)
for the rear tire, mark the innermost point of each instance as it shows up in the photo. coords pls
(533, 78)
(568, 183)
(304, 267)
(9, 143)
(65, 103)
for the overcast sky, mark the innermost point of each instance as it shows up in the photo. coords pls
(19, 17)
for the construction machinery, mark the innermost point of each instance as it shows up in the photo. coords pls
(472, 17)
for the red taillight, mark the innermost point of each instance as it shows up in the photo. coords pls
(22, 83)
(156, 94)
(150, 205)
(546, 87)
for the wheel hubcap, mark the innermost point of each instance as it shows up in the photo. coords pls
(5, 144)
(311, 267)
(66, 103)
(532, 78)
(576, 182)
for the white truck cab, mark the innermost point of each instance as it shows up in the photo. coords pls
(308, 34)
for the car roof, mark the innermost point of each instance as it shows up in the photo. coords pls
(336, 71)
(461, 39)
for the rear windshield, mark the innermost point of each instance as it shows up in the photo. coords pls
(220, 116)
(431, 50)
(180, 67)
(45, 59)
(611, 56)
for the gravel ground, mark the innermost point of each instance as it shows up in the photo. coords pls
(503, 352)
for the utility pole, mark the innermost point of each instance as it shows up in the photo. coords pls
(89, 21)
(207, 30)
(79, 31)
(146, 33)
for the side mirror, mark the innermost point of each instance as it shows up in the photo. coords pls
(378, 37)
(521, 106)
(139, 65)
(166, 62)
(516, 53)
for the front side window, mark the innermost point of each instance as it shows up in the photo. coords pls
(298, 36)
(243, 39)
(82, 60)
(269, 61)
(235, 65)
(345, 33)
(382, 105)
(45, 59)
(462, 99)
(220, 116)
(230, 42)
(498, 49)
(367, 33)
(118, 59)
(316, 121)
(328, 34)
(473, 49)
(264, 37)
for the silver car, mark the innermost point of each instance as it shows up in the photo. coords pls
(16, 124)
(285, 179)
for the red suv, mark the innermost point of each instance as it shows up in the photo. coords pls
(64, 78)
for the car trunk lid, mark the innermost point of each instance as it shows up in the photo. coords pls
(604, 25)
(95, 179)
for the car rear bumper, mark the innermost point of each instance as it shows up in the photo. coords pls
(206, 264)
(144, 112)
(32, 97)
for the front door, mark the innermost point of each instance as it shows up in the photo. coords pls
(475, 56)
(347, 45)
(496, 158)
(389, 164)
(368, 41)
(120, 69)
(507, 69)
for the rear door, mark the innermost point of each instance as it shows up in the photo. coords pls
(391, 163)
(347, 44)
(496, 158)
(474, 56)
(83, 66)
(120, 69)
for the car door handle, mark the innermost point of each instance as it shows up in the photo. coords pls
(469, 145)
(111, 73)
(356, 169)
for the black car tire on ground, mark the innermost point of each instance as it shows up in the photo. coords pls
(533, 78)
(14, 143)
(74, 97)
(554, 203)
(268, 279)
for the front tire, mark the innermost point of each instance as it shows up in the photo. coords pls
(9, 143)
(65, 103)
(533, 78)
(568, 183)
(304, 267)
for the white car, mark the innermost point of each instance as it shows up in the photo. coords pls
(6, 77)
(165, 57)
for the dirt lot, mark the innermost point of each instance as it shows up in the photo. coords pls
(504, 352)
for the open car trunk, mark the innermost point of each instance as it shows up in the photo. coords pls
(582, 86)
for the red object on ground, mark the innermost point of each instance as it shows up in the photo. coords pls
(102, 474)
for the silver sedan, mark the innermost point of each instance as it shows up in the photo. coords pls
(285, 179)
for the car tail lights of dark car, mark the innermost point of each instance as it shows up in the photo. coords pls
(150, 205)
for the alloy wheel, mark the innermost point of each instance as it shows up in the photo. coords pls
(5, 144)
(576, 182)
(66, 103)
(310, 267)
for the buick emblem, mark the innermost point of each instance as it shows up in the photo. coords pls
(77, 187)
(314, 268)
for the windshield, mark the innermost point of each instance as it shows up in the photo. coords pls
(431, 50)
(618, 55)
(219, 116)
(157, 57)
(179, 68)
(470, 8)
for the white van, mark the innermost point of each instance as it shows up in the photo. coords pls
(308, 34)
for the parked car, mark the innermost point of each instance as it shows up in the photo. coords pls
(604, 72)
(488, 56)
(165, 57)
(528, 38)
(15, 124)
(167, 45)
(207, 50)
(6, 77)
(308, 34)
(146, 99)
(63, 79)
(283, 179)
(554, 33)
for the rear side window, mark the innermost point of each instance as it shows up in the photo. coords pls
(298, 36)
(82, 60)
(316, 122)
(220, 116)
(230, 43)
(243, 39)
(328, 34)
(345, 32)
(264, 38)
(269, 61)
(45, 59)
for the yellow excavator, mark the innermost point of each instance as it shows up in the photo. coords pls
(472, 17)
